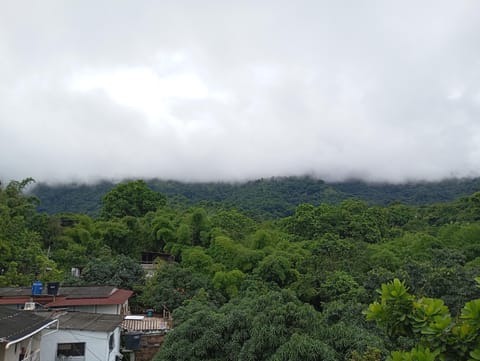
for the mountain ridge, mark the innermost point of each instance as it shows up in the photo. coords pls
(263, 198)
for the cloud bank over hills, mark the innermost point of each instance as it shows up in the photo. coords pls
(230, 91)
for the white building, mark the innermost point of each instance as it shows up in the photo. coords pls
(83, 337)
(21, 334)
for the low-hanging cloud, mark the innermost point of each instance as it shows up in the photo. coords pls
(218, 90)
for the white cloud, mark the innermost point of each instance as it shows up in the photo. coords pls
(234, 90)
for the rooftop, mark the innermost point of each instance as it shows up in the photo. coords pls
(67, 296)
(146, 324)
(72, 292)
(88, 321)
(118, 297)
(16, 324)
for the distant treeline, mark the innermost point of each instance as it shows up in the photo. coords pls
(261, 199)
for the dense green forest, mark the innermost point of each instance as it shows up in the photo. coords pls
(343, 279)
(261, 199)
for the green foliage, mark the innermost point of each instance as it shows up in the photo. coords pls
(23, 257)
(199, 225)
(235, 224)
(117, 235)
(304, 347)
(162, 231)
(437, 335)
(233, 255)
(372, 354)
(391, 313)
(228, 282)
(288, 288)
(197, 260)
(416, 354)
(132, 198)
(272, 326)
(340, 286)
(120, 271)
(276, 269)
(172, 285)
(261, 239)
(271, 198)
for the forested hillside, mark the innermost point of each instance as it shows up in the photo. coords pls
(300, 287)
(262, 199)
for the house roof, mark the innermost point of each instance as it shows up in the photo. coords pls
(74, 292)
(87, 292)
(145, 324)
(67, 296)
(17, 300)
(16, 324)
(116, 298)
(83, 321)
(15, 291)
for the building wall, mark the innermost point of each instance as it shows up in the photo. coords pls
(96, 344)
(106, 309)
(149, 346)
(14, 351)
(121, 309)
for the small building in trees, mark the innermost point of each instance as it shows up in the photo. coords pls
(144, 335)
(83, 336)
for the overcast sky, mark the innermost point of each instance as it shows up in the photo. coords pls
(235, 90)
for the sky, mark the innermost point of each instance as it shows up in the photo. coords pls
(235, 90)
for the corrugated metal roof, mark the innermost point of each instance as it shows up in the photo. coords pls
(15, 291)
(87, 292)
(146, 324)
(79, 296)
(83, 321)
(22, 299)
(70, 292)
(119, 297)
(15, 324)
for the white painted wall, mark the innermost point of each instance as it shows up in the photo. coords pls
(106, 309)
(31, 344)
(96, 344)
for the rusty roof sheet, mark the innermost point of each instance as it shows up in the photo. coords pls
(118, 297)
(69, 292)
(114, 297)
(147, 324)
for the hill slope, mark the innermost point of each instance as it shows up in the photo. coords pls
(263, 198)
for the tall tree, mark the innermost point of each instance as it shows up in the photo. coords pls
(133, 198)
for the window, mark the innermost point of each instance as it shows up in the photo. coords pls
(71, 349)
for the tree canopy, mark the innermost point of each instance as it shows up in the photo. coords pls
(133, 198)
(241, 286)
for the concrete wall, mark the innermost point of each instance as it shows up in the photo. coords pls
(96, 344)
